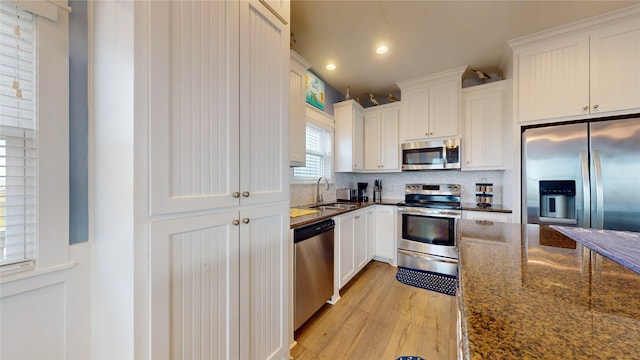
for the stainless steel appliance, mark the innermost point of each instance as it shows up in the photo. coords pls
(427, 227)
(362, 192)
(346, 195)
(431, 155)
(585, 174)
(313, 264)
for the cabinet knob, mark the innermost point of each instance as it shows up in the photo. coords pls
(596, 106)
(585, 108)
(246, 220)
(357, 217)
(236, 194)
(236, 222)
(246, 194)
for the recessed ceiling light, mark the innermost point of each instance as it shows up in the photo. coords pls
(382, 49)
(331, 67)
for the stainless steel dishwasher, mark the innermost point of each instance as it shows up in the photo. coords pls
(313, 264)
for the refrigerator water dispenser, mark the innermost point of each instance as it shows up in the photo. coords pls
(558, 201)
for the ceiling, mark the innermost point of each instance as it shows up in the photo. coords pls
(423, 37)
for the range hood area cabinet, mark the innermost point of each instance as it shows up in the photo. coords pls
(381, 148)
(486, 126)
(349, 138)
(431, 106)
(297, 105)
(587, 69)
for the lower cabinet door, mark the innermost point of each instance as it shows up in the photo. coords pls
(347, 268)
(195, 292)
(361, 240)
(264, 281)
(386, 232)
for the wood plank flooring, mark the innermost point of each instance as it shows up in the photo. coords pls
(380, 318)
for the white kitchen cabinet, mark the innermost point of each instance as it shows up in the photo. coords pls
(583, 74)
(486, 126)
(352, 239)
(371, 232)
(194, 258)
(297, 105)
(386, 233)
(279, 8)
(381, 145)
(237, 121)
(218, 95)
(487, 216)
(346, 255)
(349, 141)
(431, 106)
(615, 67)
(361, 242)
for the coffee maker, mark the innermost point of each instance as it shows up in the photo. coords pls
(362, 192)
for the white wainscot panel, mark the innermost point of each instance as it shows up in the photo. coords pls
(32, 324)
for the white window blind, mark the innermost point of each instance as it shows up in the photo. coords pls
(319, 158)
(18, 155)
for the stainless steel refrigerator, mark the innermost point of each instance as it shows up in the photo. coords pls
(583, 174)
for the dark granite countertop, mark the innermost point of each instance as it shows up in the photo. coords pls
(529, 292)
(329, 213)
(493, 208)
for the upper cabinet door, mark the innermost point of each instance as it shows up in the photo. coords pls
(414, 123)
(372, 144)
(484, 127)
(615, 67)
(193, 105)
(390, 148)
(280, 8)
(444, 109)
(553, 79)
(264, 105)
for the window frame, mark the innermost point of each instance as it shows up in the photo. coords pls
(52, 133)
(325, 122)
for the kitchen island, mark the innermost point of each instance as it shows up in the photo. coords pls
(529, 292)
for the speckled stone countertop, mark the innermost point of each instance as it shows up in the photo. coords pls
(529, 292)
(493, 208)
(329, 213)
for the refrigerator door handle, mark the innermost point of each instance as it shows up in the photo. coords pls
(597, 165)
(586, 190)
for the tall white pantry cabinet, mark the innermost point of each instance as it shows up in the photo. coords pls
(211, 154)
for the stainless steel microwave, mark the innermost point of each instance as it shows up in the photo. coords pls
(431, 155)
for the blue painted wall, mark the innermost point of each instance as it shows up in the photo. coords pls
(78, 124)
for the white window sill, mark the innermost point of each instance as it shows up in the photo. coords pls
(21, 282)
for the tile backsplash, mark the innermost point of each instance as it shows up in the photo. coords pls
(393, 184)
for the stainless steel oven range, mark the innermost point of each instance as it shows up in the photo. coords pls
(427, 227)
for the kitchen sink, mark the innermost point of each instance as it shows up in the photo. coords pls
(335, 206)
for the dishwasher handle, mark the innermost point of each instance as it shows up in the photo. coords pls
(309, 231)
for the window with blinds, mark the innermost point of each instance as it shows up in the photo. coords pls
(18, 145)
(319, 159)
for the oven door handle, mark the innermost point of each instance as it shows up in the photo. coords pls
(427, 256)
(441, 214)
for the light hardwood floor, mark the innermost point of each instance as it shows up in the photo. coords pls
(380, 318)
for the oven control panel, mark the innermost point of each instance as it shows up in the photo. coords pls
(433, 189)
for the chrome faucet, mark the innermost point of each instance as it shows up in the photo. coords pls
(318, 195)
